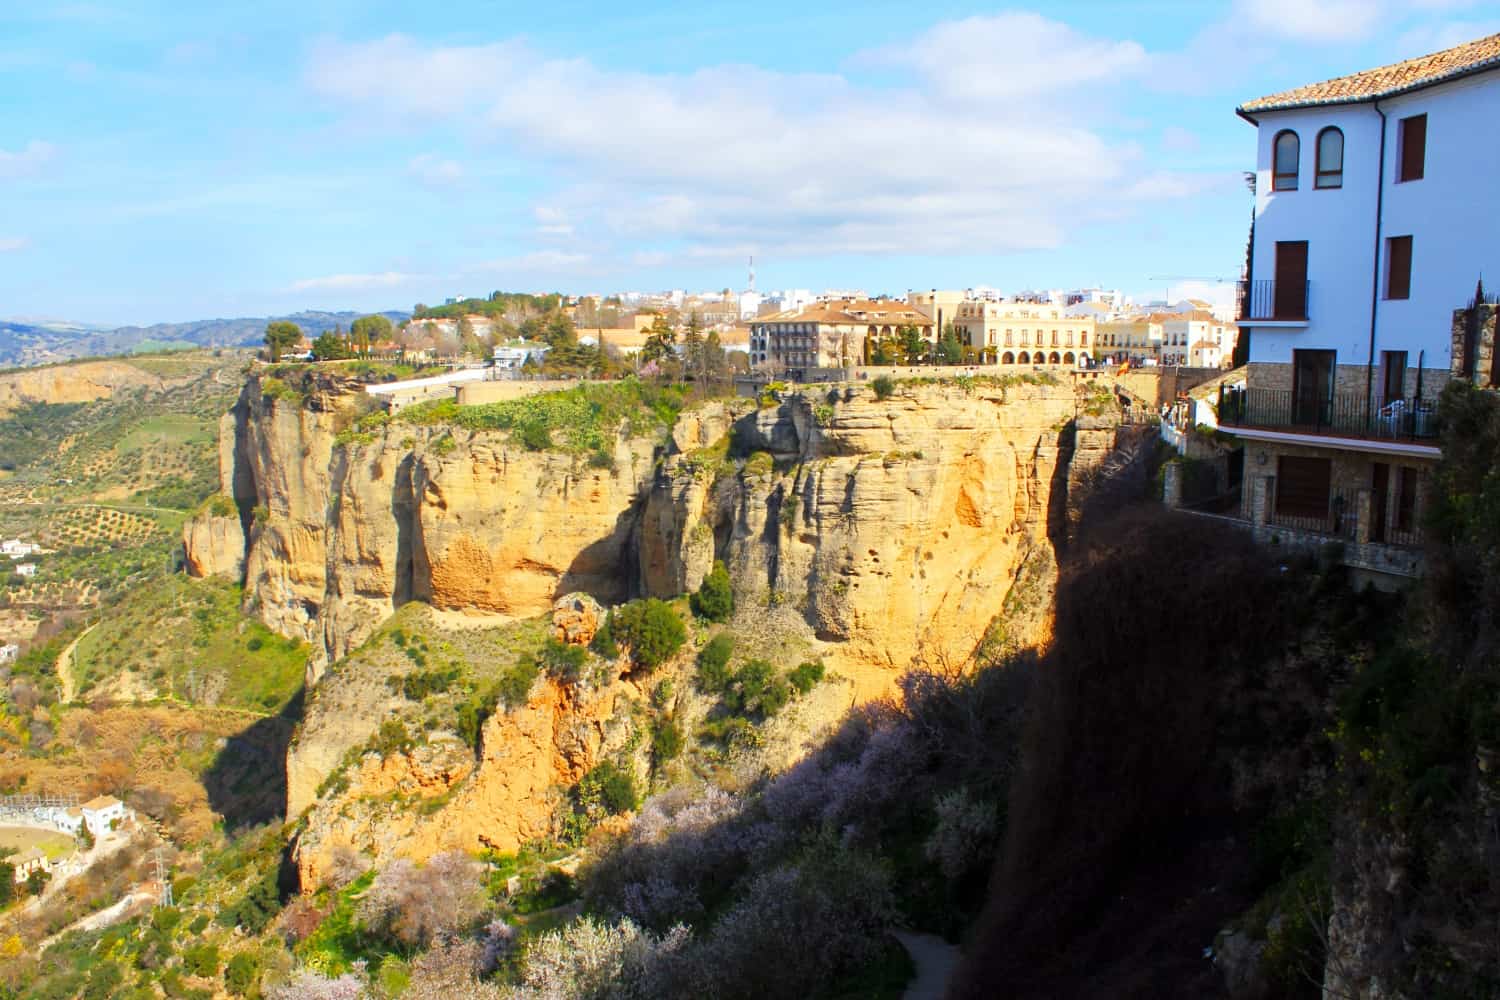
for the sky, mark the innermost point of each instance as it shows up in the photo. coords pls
(166, 161)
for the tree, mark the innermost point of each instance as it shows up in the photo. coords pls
(660, 341)
(949, 350)
(468, 340)
(369, 330)
(416, 906)
(713, 663)
(242, 972)
(330, 347)
(281, 337)
(715, 597)
(692, 348)
(912, 345)
(651, 630)
(715, 362)
(558, 331)
(882, 354)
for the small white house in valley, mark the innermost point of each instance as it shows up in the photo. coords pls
(100, 811)
(10, 652)
(26, 569)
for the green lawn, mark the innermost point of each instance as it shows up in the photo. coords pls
(168, 429)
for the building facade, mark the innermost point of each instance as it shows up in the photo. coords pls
(1375, 205)
(1024, 333)
(832, 334)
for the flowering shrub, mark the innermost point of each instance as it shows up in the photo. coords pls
(416, 906)
(307, 985)
(588, 960)
(965, 835)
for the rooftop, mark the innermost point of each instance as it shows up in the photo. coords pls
(99, 802)
(1387, 81)
(851, 311)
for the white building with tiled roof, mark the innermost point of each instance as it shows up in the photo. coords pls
(101, 811)
(1377, 208)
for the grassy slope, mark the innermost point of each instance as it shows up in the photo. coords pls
(174, 631)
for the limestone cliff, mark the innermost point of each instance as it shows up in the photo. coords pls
(879, 531)
(72, 383)
(894, 526)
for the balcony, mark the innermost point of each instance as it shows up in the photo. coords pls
(1337, 415)
(1274, 301)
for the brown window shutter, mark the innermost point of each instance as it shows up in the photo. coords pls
(1413, 147)
(1398, 268)
(1303, 486)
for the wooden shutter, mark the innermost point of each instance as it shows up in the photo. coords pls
(1398, 268)
(1413, 147)
(1302, 486)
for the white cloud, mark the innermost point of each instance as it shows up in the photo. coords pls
(1304, 21)
(955, 150)
(10, 244)
(434, 172)
(1010, 56)
(28, 160)
(354, 282)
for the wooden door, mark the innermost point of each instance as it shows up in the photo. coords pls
(1290, 300)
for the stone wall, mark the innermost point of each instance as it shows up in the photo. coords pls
(1482, 319)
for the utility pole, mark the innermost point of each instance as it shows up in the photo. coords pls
(161, 877)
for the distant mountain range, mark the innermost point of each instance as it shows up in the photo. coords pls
(41, 342)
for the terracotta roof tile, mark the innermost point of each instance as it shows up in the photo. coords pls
(1387, 81)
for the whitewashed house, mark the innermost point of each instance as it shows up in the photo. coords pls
(99, 812)
(1376, 209)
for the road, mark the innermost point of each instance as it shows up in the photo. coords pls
(64, 668)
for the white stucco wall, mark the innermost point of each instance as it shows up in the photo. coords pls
(1451, 215)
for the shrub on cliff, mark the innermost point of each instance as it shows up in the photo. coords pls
(650, 629)
(713, 663)
(715, 598)
(883, 385)
(415, 906)
(758, 689)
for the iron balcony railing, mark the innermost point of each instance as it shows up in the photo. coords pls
(1274, 300)
(1342, 414)
(1339, 520)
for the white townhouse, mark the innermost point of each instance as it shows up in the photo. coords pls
(1377, 207)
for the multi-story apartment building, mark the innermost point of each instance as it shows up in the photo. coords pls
(1376, 208)
(1194, 338)
(832, 334)
(1024, 333)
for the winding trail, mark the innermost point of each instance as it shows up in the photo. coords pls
(64, 667)
(935, 959)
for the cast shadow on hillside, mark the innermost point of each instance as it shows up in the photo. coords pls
(247, 782)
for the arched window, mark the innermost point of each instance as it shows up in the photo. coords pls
(1286, 151)
(1068, 358)
(1330, 172)
(1007, 358)
(1054, 359)
(1024, 359)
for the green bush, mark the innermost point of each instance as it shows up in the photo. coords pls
(651, 630)
(757, 690)
(515, 684)
(563, 662)
(392, 738)
(104, 982)
(715, 597)
(417, 686)
(806, 676)
(242, 972)
(254, 910)
(202, 960)
(713, 663)
(883, 386)
(609, 786)
(603, 643)
(666, 740)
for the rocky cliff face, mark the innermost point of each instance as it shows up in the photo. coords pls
(894, 526)
(887, 530)
(74, 383)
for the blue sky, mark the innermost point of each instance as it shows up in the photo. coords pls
(168, 161)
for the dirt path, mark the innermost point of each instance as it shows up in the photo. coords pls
(64, 667)
(935, 959)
